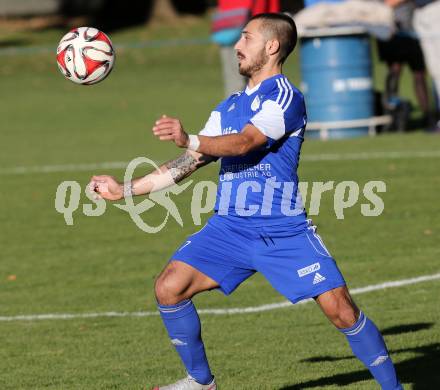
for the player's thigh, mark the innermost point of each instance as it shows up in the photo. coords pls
(220, 253)
(298, 265)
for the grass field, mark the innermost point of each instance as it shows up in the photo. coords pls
(107, 264)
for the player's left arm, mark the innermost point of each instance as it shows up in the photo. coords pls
(171, 129)
(239, 144)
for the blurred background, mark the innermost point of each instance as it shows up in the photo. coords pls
(371, 49)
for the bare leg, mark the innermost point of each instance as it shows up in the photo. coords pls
(174, 288)
(339, 308)
(179, 281)
(363, 336)
(421, 89)
(391, 91)
(392, 81)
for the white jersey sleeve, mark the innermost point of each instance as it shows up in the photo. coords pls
(282, 112)
(213, 126)
(270, 120)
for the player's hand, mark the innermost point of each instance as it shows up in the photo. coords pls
(170, 129)
(106, 187)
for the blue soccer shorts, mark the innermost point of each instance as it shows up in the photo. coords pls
(292, 258)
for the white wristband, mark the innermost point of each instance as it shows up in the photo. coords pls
(194, 142)
(128, 189)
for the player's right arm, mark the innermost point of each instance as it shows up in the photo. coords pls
(169, 173)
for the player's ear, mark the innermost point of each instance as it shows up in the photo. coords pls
(272, 46)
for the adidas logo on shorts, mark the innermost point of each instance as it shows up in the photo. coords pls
(318, 278)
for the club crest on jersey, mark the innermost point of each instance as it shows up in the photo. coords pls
(255, 104)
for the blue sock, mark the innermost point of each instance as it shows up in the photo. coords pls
(183, 326)
(367, 344)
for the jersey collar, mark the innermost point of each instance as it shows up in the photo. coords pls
(250, 91)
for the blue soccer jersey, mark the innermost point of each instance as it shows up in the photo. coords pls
(260, 223)
(262, 186)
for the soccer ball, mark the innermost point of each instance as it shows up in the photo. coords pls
(85, 55)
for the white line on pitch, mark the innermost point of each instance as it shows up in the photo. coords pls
(237, 310)
(371, 155)
(306, 158)
(62, 168)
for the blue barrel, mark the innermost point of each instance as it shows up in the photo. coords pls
(310, 3)
(337, 81)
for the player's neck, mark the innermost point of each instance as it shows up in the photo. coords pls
(262, 75)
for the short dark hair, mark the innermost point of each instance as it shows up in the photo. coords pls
(283, 28)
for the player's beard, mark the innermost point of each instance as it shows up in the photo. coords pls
(261, 59)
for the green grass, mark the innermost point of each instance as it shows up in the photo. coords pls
(108, 264)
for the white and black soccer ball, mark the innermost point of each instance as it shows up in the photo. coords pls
(85, 55)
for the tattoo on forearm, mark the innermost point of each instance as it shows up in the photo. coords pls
(185, 164)
(181, 166)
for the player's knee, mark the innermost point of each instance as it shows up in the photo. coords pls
(346, 317)
(341, 311)
(167, 291)
(164, 287)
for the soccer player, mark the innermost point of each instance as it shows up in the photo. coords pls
(259, 224)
